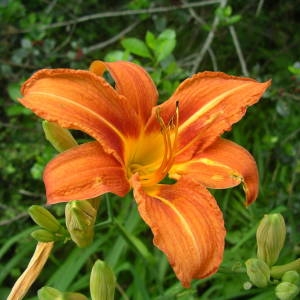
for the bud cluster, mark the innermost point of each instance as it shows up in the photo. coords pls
(270, 236)
(51, 230)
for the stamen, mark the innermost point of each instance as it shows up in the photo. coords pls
(169, 147)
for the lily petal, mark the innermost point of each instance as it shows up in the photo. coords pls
(133, 82)
(222, 165)
(187, 225)
(82, 100)
(84, 172)
(209, 103)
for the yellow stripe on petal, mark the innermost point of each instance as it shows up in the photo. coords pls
(210, 105)
(187, 225)
(83, 108)
(81, 100)
(181, 218)
(224, 164)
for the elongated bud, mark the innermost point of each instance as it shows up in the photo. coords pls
(270, 236)
(278, 271)
(43, 235)
(292, 277)
(80, 220)
(258, 272)
(60, 138)
(286, 291)
(49, 293)
(102, 282)
(44, 218)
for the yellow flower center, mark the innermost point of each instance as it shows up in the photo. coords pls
(154, 154)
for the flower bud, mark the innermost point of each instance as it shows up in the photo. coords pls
(291, 277)
(270, 236)
(60, 138)
(258, 272)
(102, 282)
(80, 220)
(278, 271)
(44, 218)
(49, 293)
(43, 235)
(286, 291)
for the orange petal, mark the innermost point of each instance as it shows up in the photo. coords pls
(81, 100)
(187, 225)
(134, 83)
(222, 165)
(209, 103)
(84, 172)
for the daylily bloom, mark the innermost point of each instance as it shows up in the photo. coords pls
(137, 143)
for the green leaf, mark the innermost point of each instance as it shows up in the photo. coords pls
(136, 243)
(166, 43)
(234, 19)
(13, 91)
(151, 40)
(116, 55)
(295, 69)
(16, 110)
(69, 269)
(168, 34)
(136, 46)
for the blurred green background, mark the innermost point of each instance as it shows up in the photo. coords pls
(172, 40)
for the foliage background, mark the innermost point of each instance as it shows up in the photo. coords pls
(251, 38)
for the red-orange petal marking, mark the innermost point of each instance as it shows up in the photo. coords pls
(209, 103)
(187, 225)
(136, 85)
(84, 172)
(82, 100)
(222, 165)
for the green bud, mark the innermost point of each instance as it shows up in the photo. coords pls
(258, 272)
(102, 282)
(278, 271)
(270, 236)
(80, 220)
(60, 138)
(49, 293)
(292, 277)
(43, 235)
(286, 291)
(44, 218)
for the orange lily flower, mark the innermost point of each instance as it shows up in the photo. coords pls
(138, 143)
